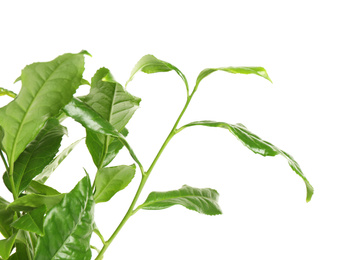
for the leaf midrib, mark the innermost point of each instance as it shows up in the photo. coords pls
(28, 109)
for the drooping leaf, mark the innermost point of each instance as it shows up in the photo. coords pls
(38, 154)
(204, 201)
(91, 120)
(46, 88)
(49, 169)
(68, 226)
(40, 188)
(259, 71)
(6, 218)
(32, 221)
(7, 92)
(6, 246)
(109, 99)
(259, 146)
(150, 64)
(32, 201)
(111, 180)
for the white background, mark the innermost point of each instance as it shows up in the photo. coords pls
(306, 47)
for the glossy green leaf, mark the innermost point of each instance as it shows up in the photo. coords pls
(111, 180)
(7, 92)
(32, 201)
(6, 218)
(6, 246)
(46, 88)
(204, 201)
(40, 188)
(150, 64)
(32, 221)
(259, 71)
(38, 154)
(257, 145)
(68, 226)
(49, 169)
(93, 121)
(109, 99)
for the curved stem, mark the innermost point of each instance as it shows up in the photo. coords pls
(145, 176)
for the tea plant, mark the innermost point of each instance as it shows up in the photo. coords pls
(42, 223)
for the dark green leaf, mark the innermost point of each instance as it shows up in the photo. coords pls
(49, 169)
(96, 145)
(150, 64)
(46, 88)
(257, 145)
(204, 201)
(241, 70)
(32, 201)
(93, 121)
(6, 218)
(6, 246)
(38, 154)
(68, 226)
(40, 188)
(111, 180)
(32, 221)
(109, 99)
(7, 92)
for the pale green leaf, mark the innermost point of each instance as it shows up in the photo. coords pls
(46, 88)
(6, 246)
(150, 64)
(110, 180)
(259, 71)
(7, 92)
(49, 169)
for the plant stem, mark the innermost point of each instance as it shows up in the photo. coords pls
(126, 217)
(145, 176)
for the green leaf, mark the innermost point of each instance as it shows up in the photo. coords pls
(111, 180)
(32, 201)
(93, 121)
(150, 64)
(49, 169)
(204, 201)
(38, 154)
(32, 221)
(6, 246)
(96, 144)
(7, 92)
(259, 146)
(109, 99)
(235, 70)
(40, 188)
(6, 218)
(68, 226)
(46, 88)
(21, 252)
